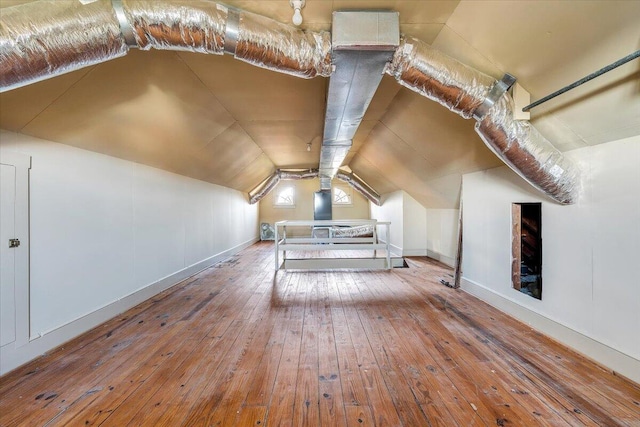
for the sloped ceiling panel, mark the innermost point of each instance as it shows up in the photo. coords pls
(548, 46)
(119, 108)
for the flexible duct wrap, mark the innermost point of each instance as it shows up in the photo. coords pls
(263, 189)
(280, 47)
(528, 153)
(360, 186)
(194, 26)
(462, 90)
(42, 39)
(297, 174)
(46, 38)
(431, 73)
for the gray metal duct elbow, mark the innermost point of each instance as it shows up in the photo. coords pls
(471, 93)
(47, 38)
(360, 186)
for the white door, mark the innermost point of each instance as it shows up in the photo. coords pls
(7, 255)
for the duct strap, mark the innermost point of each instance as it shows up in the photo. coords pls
(125, 28)
(231, 32)
(496, 91)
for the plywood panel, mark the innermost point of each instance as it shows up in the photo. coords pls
(147, 107)
(252, 93)
(444, 138)
(226, 155)
(252, 175)
(20, 106)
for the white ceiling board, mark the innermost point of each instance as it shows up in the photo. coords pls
(371, 175)
(255, 172)
(548, 45)
(147, 107)
(11, 3)
(411, 11)
(219, 119)
(360, 138)
(314, 11)
(246, 179)
(451, 43)
(400, 163)
(531, 37)
(224, 157)
(252, 93)
(387, 90)
(425, 32)
(285, 142)
(20, 106)
(445, 139)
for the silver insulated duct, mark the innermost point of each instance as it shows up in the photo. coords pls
(471, 93)
(362, 44)
(43, 39)
(266, 186)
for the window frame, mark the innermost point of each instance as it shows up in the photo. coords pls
(276, 197)
(347, 192)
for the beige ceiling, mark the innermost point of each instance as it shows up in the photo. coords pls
(220, 120)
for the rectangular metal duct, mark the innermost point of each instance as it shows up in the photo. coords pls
(362, 44)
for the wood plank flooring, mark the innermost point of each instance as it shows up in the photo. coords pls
(237, 345)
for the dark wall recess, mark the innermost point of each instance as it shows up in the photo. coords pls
(526, 248)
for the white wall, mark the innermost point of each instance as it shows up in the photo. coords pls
(591, 295)
(391, 210)
(415, 227)
(108, 233)
(442, 235)
(408, 223)
(304, 190)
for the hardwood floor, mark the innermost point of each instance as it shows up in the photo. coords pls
(235, 345)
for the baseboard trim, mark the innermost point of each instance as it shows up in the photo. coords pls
(447, 260)
(414, 252)
(12, 356)
(602, 354)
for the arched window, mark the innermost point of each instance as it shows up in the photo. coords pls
(341, 197)
(285, 197)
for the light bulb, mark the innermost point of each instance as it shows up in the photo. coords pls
(309, 147)
(297, 17)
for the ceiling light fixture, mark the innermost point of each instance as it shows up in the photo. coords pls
(308, 146)
(297, 5)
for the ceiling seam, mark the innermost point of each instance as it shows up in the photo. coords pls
(205, 85)
(249, 163)
(225, 109)
(502, 72)
(407, 144)
(59, 96)
(378, 170)
(382, 116)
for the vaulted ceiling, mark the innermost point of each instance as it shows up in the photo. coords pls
(227, 122)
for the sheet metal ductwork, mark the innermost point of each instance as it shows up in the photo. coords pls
(362, 44)
(471, 93)
(43, 39)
